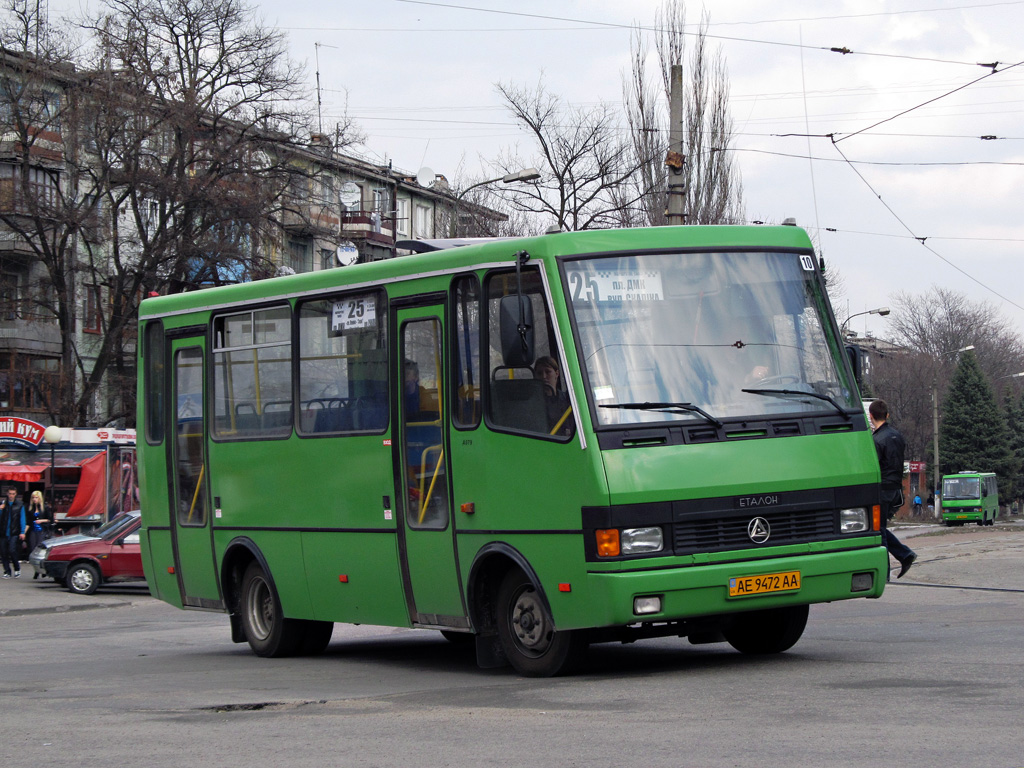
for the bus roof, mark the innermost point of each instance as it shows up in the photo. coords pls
(490, 252)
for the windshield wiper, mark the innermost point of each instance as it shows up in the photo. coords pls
(798, 393)
(666, 408)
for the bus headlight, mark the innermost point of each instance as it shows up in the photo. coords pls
(635, 541)
(853, 520)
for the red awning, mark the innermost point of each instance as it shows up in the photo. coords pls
(22, 473)
(31, 467)
(90, 499)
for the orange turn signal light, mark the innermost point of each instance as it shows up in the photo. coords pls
(876, 518)
(608, 542)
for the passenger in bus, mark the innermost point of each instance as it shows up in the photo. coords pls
(556, 398)
(411, 390)
(757, 374)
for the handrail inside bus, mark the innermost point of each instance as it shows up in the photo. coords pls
(425, 500)
(561, 421)
(195, 496)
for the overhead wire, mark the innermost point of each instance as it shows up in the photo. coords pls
(920, 239)
(843, 50)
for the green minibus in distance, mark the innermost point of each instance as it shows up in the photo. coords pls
(970, 497)
(533, 444)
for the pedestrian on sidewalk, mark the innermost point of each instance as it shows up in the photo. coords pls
(38, 523)
(12, 532)
(890, 447)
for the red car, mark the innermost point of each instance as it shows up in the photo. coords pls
(87, 560)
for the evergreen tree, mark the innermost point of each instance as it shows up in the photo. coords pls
(973, 433)
(1014, 411)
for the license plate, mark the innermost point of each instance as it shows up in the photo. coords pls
(760, 585)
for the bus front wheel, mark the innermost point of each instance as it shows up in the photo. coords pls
(770, 631)
(266, 629)
(527, 631)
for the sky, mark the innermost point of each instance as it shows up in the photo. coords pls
(905, 195)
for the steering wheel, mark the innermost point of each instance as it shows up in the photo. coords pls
(767, 381)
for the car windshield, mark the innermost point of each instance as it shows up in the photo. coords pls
(705, 336)
(115, 527)
(961, 488)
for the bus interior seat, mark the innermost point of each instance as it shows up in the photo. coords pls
(247, 421)
(518, 403)
(371, 412)
(277, 416)
(330, 415)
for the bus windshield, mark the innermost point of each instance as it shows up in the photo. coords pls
(961, 488)
(705, 336)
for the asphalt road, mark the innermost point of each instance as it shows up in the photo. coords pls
(929, 675)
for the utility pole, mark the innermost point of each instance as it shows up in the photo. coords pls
(675, 159)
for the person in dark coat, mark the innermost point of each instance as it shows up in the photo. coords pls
(12, 532)
(38, 523)
(890, 447)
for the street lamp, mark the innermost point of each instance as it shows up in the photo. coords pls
(53, 435)
(1011, 376)
(936, 477)
(883, 311)
(526, 174)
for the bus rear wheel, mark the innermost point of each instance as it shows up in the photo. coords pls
(770, 631)
(527, 631)
(266, 629)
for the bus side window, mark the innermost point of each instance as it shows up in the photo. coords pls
(343, 364)
(517, 399)
(155, 381)
(466, 343)
(252, 374)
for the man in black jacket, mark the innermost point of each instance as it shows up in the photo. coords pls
(890, 446)
(12, 533)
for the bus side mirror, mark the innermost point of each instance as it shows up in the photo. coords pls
(516, 328)
(858, 362)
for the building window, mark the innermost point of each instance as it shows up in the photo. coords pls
(28, 382)
(92, 320)
(422, 224)
(300, 256)
(326, 258)
(403, 217)
(10, 296)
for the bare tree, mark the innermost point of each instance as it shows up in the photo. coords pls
(930, 328)
(941, 321)
(711, 180)
(583, 161)
(173, 168)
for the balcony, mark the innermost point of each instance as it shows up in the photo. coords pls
(367, 225)
(312, 219)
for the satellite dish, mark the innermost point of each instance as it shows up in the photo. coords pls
(425, 177)
(350, 194)
(347, 253)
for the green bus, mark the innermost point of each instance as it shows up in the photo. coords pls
(530, 445)
(970, 497)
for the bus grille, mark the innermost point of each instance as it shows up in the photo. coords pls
(710, 534)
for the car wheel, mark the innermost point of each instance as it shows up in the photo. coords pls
(266, 629)
(770, 631)
(527, 631)
(83, 579)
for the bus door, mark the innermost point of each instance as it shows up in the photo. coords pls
(191, 532)
(426, 530)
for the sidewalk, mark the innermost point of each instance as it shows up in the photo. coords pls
(25, 596)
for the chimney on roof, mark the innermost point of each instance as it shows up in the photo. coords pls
(320, 141)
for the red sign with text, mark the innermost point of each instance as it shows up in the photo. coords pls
(20, 432)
